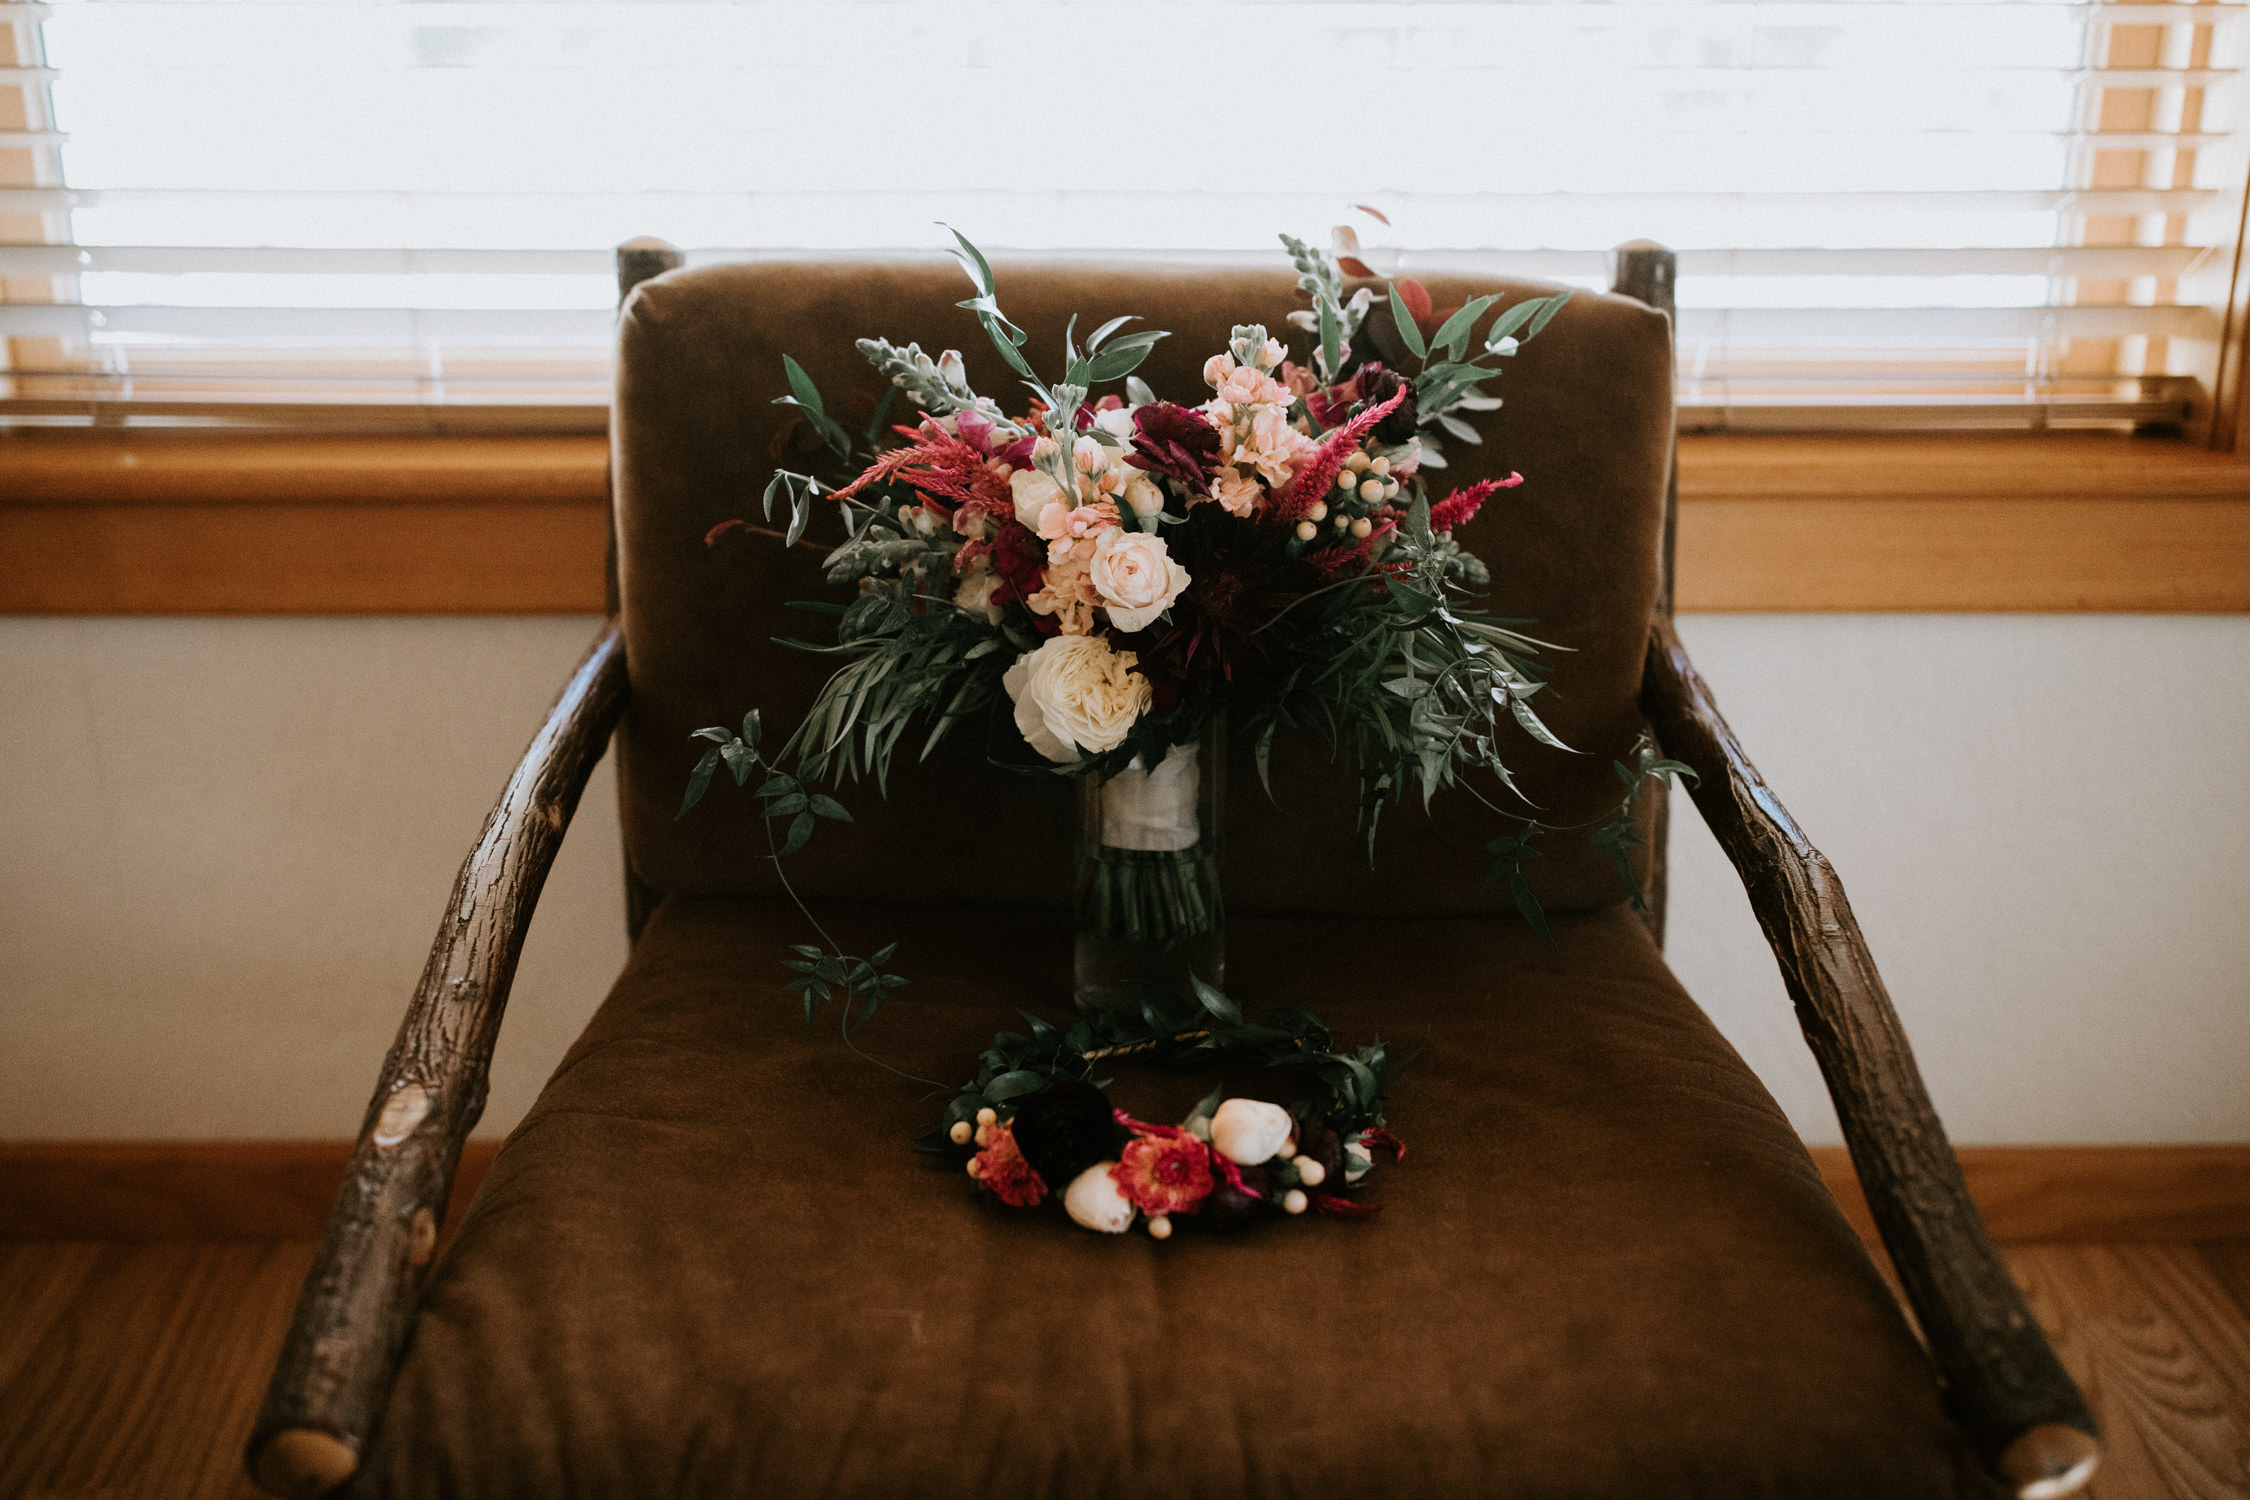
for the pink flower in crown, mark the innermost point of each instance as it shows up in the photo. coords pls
(1164, 1175)
(1000, 1167)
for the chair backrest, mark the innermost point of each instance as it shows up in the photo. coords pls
(696, 434)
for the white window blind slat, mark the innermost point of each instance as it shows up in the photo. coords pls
(1885, 209)
(180, 261)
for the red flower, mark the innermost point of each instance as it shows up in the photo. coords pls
(1165, 1174)
(1020, 558)
(1001, 1168)
(1337, 561)
(1460, 507)
(1177, 442)
(1333, 406)
(941, 466)
(1313, 478)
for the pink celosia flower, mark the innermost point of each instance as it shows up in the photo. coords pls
(1001, 1168)
(1460, 507)
(1319, 472)
(1164, 1175)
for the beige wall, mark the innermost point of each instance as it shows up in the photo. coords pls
(224, 845)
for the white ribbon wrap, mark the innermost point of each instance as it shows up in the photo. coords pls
(1154, 809)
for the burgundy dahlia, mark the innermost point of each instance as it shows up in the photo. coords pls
(1020, 558)
(1175, 442)
(1236, 1199)
(1399, 426)
(1065, 1128)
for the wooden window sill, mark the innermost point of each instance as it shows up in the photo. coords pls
(150, 523)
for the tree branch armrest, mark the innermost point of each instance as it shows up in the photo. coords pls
(2002, 1380)
(357, 1308)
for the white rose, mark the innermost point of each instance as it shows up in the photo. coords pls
(1095, 1201)
(1117, 422)
(1249, 1131)
(1136, 577)
(1034, 492)
(1145, 498)
(1075, 694)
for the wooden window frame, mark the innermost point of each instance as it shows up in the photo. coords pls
(156, 523)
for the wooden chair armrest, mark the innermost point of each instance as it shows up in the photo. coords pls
(2002, 1381)
(357, 1308)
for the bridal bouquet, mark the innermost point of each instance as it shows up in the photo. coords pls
(1118, 565)
(1121, 568)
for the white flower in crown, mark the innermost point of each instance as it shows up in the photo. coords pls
(1095, 1201)
(1250, 1131)
(1136, 576)
(1076, 694)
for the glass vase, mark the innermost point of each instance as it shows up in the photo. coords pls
(1151, 912)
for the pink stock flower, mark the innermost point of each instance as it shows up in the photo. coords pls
(1063, 528)
(1068, 594)
(1238, 494)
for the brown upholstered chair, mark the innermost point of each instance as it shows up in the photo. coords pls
(707, 1265)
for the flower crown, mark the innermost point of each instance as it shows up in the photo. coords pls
(1032, 1126)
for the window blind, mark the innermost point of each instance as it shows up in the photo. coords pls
(1887, 211)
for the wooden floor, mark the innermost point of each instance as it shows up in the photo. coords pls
(132, 1372)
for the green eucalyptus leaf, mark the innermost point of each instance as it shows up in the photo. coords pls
(972, 260)
(801, 386)
(1545, 316)
(1407, 328)
(699, 781)
(1512, 319)
(1452, 337)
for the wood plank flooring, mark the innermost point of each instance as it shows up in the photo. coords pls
(132, 1371)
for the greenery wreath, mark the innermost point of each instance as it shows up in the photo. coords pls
(1034, 1124)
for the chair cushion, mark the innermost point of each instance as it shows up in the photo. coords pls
(1588, 421)
(708, 1264)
